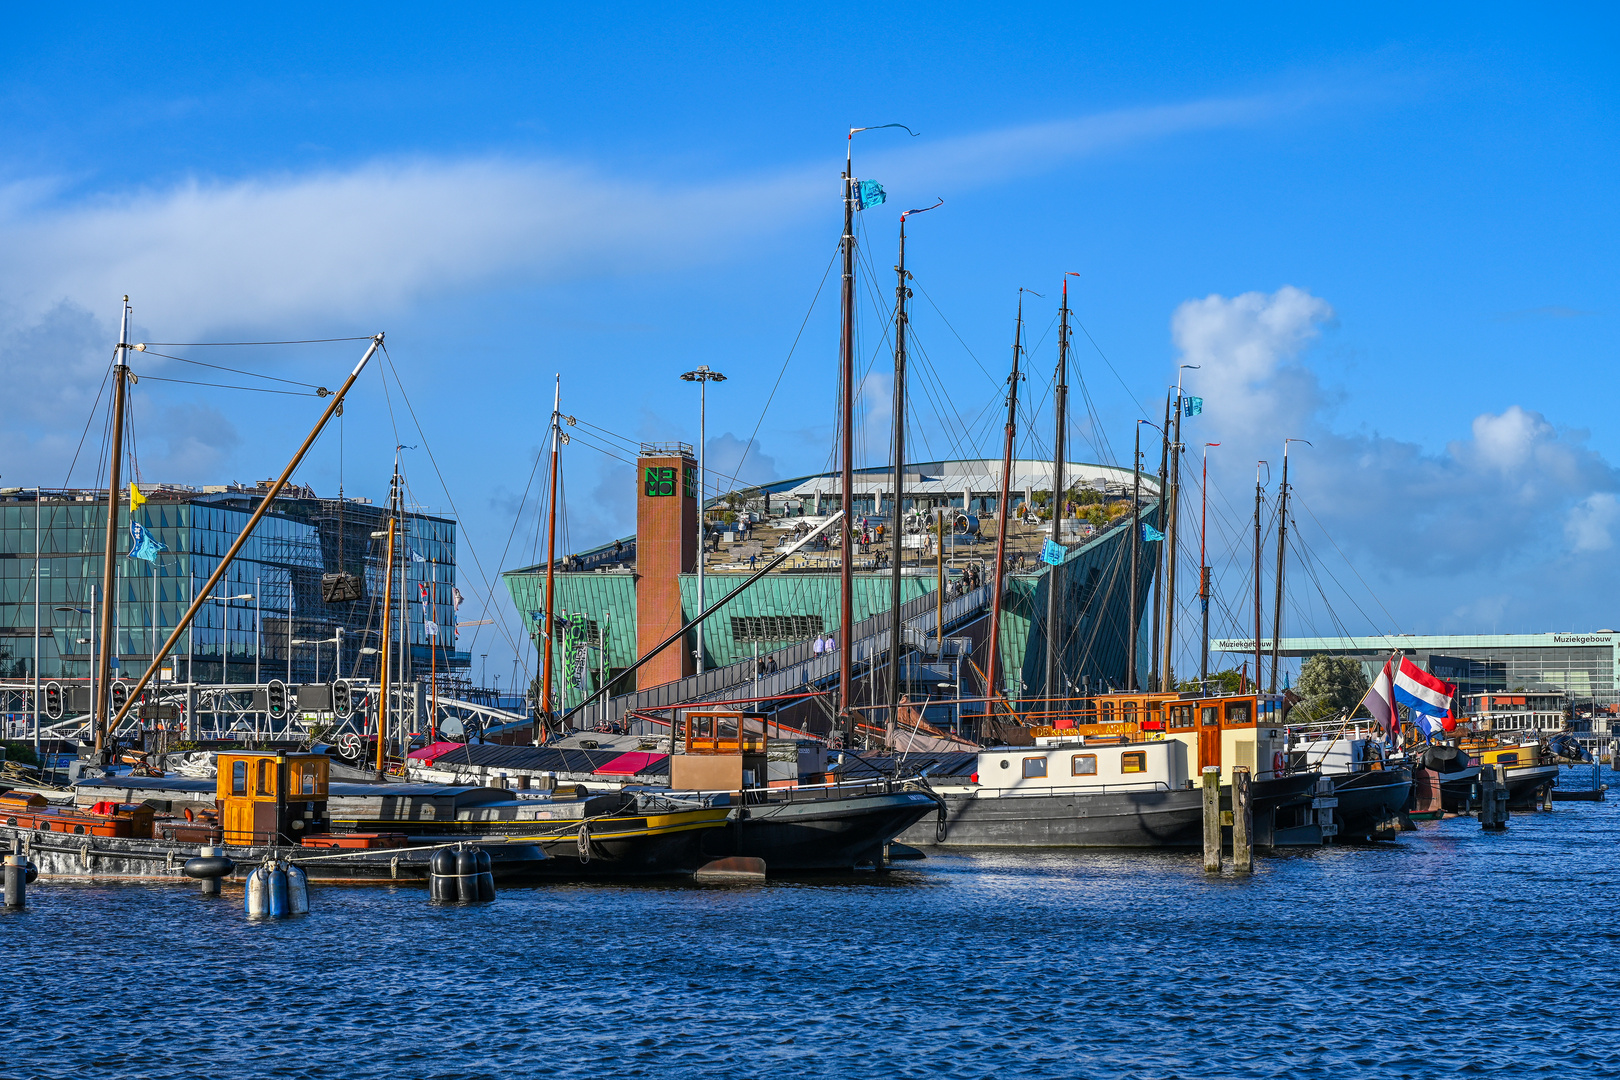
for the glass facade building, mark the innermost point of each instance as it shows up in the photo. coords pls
(267, 618)
(1579, 665)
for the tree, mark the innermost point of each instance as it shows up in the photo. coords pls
(1328, 685)
(1221, 682)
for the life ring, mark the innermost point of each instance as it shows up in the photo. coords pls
(1277, 762)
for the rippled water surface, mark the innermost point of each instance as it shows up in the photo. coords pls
(1449, 951)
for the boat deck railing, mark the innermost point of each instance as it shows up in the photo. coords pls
(1144, 786)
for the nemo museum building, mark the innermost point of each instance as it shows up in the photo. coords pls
(617, 602)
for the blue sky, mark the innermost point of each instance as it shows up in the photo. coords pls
(1391, 232)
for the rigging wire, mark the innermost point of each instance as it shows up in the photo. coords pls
(227, 386)
(221, 367)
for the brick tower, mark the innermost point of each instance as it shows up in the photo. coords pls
(666, 547)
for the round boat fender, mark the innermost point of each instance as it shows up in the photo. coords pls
(190, 816)
(207, 867)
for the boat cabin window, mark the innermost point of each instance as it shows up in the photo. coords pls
(1128, 712)
(1237, 712)
(1210, 715)
(1181, 716)
(239, 778)
(1083, 765)
(1034, 768)
(304, 780)
(267, 777)
(1133, 762)
(1507, 759)
(1108, 712)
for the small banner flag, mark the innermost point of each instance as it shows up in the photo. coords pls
(417, 558)
(1194, 405)
(869, 193)
(432, 629)
(136, 499)
(455, 595)
(1052, 553)
(141, 544)
(1150, 534)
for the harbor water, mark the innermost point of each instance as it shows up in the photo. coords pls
(1449, 951)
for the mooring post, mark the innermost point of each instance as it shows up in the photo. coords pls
(1492, 798)
(1212, 819)
(1242, 821)
(16, 881)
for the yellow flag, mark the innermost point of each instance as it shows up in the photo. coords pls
(136, 499)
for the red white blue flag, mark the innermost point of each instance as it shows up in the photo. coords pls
(1428, 696)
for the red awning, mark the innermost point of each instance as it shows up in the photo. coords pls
(637, 761)
(433, 751)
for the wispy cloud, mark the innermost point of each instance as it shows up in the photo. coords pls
(360, 243)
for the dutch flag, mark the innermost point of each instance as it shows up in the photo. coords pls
(1427, 696)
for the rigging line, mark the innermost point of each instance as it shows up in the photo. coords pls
(201, 344)
(471, 550)
(791, 349)
(228, 386)
(95, 407)
(1392, 619)
(1359, 610)
(971, 354)
(1111, 367)
(622, 438)
(220, 367)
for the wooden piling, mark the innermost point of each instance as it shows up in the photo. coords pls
(1493, 796)
(1212, 819)
(1242, 821)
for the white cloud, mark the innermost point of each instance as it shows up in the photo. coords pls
(1590, 524)
(1486, 512)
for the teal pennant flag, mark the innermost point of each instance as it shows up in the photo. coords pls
(1150, 534)
(141, 544)
(1195, 405)
(869, 193)
(1052, 554)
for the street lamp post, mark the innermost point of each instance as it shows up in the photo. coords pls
(225, 646)
(703, 377)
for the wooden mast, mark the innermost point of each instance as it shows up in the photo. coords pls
(109, 567)
(1282, 539)
(1154, 682)
(1170, 542)
(846, 376)
(1136, 560)
(542, 714)
(1259, 500)
(897, 539)
(1003, 512)
(1060, 443)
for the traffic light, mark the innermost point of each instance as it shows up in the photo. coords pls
(53, 700)
(120, 695)
(342, 699)
(275, 699)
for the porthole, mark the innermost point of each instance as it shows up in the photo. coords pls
(78, 830)
(1005, 764)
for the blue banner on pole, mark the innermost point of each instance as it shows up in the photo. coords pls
(141, 544)
(1150, 534)
(1052, 554)
(869, 193)
(1194, 405)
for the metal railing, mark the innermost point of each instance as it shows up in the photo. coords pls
(796, 665)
